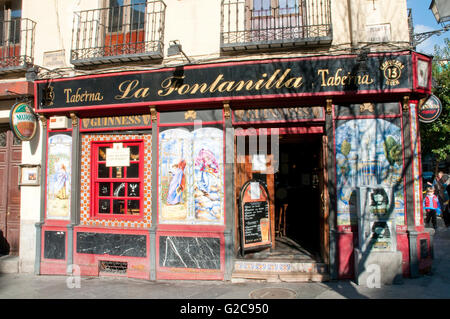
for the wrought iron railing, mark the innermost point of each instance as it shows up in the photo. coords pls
(16, 44)
(119, 33)
(262, 23)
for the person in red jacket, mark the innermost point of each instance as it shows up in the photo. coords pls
(432, 207)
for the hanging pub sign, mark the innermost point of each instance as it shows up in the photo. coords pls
(255, 219)
(23, 121)
(430, 110)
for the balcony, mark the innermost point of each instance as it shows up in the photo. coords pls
(262, 24)
(16, 45)
(118, 34)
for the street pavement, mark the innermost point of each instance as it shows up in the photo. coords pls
(30, 287)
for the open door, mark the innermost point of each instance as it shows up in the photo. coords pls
(247, 168)
(324, 203)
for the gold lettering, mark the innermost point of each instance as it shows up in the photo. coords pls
(169, 85)
(202, 87)
(240, 114)
(279, 83)
(322, 73)
(212, 88)
(269, 84)
(125, 88)
(67, 91)
(141, 93)
(294, 82)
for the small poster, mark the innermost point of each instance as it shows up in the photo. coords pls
(118, 156)
(259, 162)
(255, 191)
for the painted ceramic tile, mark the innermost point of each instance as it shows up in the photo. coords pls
(175, 172)
(415, 159)
(59, 176)
(208, 174)
(368, 153)
(191, 176)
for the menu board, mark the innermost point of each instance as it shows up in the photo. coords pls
(256, 222)
(254, 216)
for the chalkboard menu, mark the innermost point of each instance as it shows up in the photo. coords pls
(254, 212)
(254, 216)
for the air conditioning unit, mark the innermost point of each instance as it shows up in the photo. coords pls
(58, 123)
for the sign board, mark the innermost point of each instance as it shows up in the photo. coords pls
(117, 156)
(430, 110)
(23, 121)
(278, 114)
(258, 79)
(254, 215)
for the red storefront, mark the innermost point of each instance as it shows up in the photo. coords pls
(250, 169)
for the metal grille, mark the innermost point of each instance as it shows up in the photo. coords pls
(118, 33)
(16, 44)
(274, 23)
(115, 267)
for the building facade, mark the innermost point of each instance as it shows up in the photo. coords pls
(225, 139)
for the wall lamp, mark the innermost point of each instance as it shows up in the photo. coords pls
(175, 49)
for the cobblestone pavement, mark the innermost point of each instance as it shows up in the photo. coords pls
(29, 286)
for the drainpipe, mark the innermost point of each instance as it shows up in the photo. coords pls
(353, 23)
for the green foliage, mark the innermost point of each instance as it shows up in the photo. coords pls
(392, 150)
(345, 148)
(435, 136)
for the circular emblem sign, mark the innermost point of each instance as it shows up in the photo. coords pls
(23, 121)
(430, 110)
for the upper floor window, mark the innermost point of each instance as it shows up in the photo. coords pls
(131, 29)
(10, 15)
(261, 24)
(126, 14)
(275, 19)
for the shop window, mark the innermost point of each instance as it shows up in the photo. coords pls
(117, 190)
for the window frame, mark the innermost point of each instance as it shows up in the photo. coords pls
(11, 11)
(125, 20)
(96, 181)
(272, 20)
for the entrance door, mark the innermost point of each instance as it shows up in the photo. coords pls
(246, 169)
(298, 190)
(10, 158)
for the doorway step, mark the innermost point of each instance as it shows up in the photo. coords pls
(288, 262)
(279, 271)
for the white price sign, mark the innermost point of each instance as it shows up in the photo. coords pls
(117, 156)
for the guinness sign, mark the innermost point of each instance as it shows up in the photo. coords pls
(430, 110)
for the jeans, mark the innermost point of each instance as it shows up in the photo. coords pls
(431, 214)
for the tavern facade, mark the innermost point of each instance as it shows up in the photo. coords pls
(281, 142)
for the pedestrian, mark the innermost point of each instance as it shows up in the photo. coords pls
(432, 207)
(439, 187)
(445, 207)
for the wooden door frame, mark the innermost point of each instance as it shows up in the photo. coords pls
(325, 204)
(9, 162)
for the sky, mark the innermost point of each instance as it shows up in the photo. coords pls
(424, 21)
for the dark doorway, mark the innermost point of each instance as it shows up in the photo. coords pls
(297, 193)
